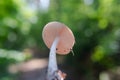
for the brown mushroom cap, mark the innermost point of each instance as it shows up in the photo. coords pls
(65, 35)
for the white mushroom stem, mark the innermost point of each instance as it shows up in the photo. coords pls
(52, 65)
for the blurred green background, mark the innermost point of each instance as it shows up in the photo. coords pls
(95, 25)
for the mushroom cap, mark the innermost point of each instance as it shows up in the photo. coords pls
(65, 35)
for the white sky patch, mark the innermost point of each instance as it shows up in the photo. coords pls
(44, 4)
(88, 2)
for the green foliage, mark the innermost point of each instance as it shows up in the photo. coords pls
(7, 58)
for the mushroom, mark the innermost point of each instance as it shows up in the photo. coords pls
(60, 39)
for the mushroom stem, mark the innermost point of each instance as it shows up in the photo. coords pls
(52, 65)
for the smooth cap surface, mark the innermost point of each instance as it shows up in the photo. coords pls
(65, 35)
